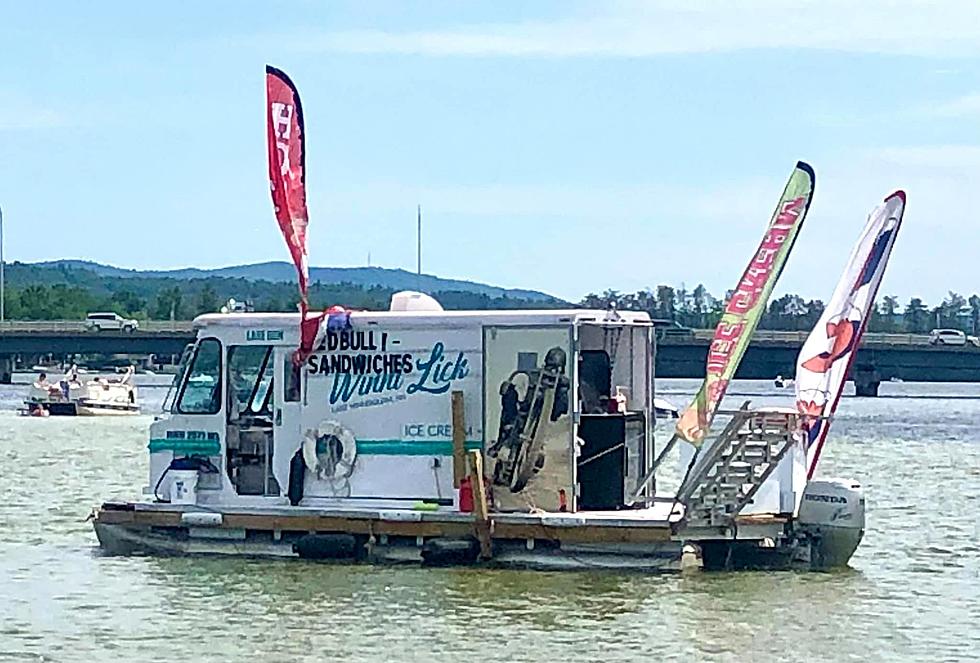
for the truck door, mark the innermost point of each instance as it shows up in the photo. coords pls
(250, 448)
(287, 433)
(528, 416)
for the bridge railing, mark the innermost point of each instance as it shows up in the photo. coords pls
(68, 326)
(800, 337)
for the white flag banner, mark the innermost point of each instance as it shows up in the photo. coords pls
(830, 348)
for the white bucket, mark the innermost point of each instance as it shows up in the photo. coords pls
(183, 486)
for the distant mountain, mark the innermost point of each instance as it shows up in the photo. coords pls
(395, 279)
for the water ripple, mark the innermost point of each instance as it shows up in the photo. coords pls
(911, 594)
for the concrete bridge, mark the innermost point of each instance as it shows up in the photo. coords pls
(63, 338)
(908, 357)
(881, 357)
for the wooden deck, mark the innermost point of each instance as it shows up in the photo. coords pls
(603, 527)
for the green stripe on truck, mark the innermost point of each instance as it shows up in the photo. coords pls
(364, 447)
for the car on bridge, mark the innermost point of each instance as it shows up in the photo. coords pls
(672, 329)
(113, 321)
(951, 337)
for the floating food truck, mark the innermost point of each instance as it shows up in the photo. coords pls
(508, 438)
(511, 438)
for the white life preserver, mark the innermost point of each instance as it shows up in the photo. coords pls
(330, 462)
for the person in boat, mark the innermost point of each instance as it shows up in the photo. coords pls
(42, 383)
(45, 390)
(73, 381)
(69, 382)
(126, 378)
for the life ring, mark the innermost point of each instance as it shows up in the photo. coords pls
(330, 451)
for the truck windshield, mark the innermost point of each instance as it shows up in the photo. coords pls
(202, 388)
(185, 356)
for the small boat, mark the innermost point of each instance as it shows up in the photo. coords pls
(781, 383)
(664, 409)
(70, 398)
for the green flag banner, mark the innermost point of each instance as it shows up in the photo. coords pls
(747, 304)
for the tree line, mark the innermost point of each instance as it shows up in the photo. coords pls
(70, 294)
(185, 300)
(697, 308)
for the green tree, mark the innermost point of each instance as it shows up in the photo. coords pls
(270, 305)
(952, 310)
(714, 313)
(168, 304)
(71, 302)
(647, 301)
(889, 308)
(814, 309)
(665, 303)
(610, 297)
(974, 314)
(592, 301)
(207, 300)
(875, 320)
(128, 303)
(682, 307)
(699, 304)
(916, 316)
(35, 303)
(786, 313)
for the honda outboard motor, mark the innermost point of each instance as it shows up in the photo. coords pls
(832, 515)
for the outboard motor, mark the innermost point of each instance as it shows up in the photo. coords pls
(832, 515)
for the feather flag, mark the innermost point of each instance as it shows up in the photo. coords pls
(746, 305)
(830, 348)
(287, 183)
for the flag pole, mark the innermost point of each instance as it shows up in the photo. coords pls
(2, 293)
(419, 252)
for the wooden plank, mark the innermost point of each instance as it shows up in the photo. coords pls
(457, 528)
(582, 533)
(348, 525)
(151, 518)
(481, 510)
(459, 438)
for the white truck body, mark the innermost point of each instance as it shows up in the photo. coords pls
(372, 418)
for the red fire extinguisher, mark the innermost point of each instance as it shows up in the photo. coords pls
(465, 495)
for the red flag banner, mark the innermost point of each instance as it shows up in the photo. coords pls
(287, 179)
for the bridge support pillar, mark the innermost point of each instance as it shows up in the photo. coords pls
(866, 381)
(6, 369)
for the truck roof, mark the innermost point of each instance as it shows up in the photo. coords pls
(434, 318)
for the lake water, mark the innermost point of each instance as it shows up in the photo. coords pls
(912, 594)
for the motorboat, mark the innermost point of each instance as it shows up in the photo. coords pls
(664, 409)
(70, 398)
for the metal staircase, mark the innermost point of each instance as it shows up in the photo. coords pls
(731, 471)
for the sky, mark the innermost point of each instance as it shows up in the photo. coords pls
(569, 147)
